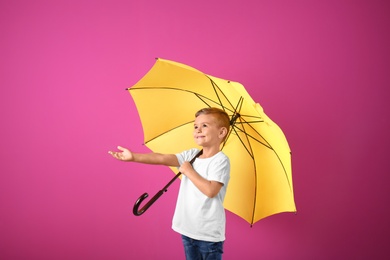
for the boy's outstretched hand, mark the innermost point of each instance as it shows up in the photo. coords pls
(124, 155)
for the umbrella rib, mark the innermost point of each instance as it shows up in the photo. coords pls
(251, 116)
(254, 163)
(250, 152)
(242, 142)
(266, 144)
(201, 97)
(169, 130)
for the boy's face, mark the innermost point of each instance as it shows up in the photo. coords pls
(207, 133)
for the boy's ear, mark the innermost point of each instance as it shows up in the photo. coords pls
(223, 132)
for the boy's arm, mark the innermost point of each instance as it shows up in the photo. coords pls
(147, 158)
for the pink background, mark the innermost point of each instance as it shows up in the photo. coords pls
(319, 68)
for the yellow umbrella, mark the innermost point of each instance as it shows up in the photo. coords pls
(167, 98)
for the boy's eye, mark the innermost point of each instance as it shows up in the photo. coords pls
(196, 127)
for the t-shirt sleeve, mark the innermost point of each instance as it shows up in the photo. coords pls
(187, 155)
(220, 170)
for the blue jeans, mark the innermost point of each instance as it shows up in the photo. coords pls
(202, 250)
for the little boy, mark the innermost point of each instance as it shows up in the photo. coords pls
(199, 215)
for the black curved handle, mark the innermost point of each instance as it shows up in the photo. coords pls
(152, 200)
(147, 205)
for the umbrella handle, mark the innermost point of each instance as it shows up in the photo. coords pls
(147, 205)
(158, 194)
(152, 200)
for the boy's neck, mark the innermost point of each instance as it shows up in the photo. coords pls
(209, 152)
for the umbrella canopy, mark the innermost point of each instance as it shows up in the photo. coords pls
(167, 98)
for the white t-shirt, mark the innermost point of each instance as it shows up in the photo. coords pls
(196, 215)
